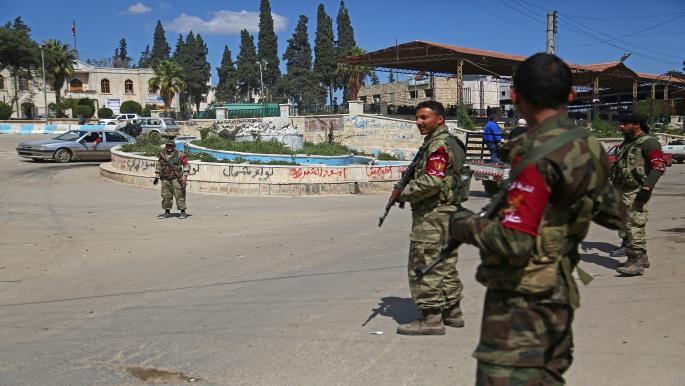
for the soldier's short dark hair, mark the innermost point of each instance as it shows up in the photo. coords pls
(544, 80)
(437, 107)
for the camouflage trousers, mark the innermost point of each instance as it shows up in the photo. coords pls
(439, 289)
(635, 235)
(524, 341)
(171, 189)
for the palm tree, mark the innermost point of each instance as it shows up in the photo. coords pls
(59, 65)
(168, 80)
(354, 74)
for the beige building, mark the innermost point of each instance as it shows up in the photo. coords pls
(479, 92)
(109, 87)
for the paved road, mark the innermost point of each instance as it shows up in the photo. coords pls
(94, 289)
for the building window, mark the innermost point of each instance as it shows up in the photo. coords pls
(75, 85)
(151, 90)
(428, 93)
(377, 98)
(104, 86)
(503, 93)
(128, 86)
(2, 83)
(413, 94)
(23, 84)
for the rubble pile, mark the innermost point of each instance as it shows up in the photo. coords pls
(269, 128)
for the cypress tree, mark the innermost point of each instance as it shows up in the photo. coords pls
(391, 77)
(116, 58)
(345, 42)
(226, 88)
(123, 58)
(199, 71)
(144, 61)
(325, 62)
(160, 47)
(247, 68)
(268, 45)
(300, 84)
(181, 57)
(374, 78)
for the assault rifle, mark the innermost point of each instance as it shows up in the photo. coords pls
(407, 176)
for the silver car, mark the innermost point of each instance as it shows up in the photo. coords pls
(158, 126)
(75, 145)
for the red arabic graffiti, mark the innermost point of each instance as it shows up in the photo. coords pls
(300, 173)
(385, 172)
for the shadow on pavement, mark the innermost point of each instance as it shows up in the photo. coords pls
(598, 245)
(401, 310)
(604, 261)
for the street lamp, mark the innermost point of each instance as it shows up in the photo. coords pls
(45, 85)
(261, 78)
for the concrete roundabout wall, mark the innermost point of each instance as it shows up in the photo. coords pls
(208, 177)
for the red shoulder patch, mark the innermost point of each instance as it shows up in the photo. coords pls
(184, 160)
(526, 201)
(656, 159)
(437, 163)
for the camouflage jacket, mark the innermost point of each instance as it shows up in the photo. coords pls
(170, 166)
(639, 162)
(434, 190)
(530, 246)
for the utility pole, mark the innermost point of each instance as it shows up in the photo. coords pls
(551, 31)
(45, 85)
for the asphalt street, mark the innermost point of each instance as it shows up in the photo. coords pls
(96, 290)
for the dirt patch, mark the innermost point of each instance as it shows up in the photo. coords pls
(159, 376)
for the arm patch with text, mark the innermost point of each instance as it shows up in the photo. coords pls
(437, 163)
(526, 201)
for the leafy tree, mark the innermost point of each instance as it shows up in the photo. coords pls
(325, 62)
(121, 58)
(145, 58)
(267, 44)
(160, 47)
(102, 62)
(355, 75)
(374, 78)
(131, 107)
(59, 66)
(226, 88)
(182, 57)
(19, 54)
(299, 84)
(105, 112)
(247, 69)
(391, 77)
(5, 111)
(463, 118)
(168, 80)
(346, 42)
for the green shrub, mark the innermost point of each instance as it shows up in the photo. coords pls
(79, 110)
(328, 149)
(603, 129)
(387, 157)
(105, 112)
(263, 147)
(87, 102)
(205, 132)
(147, 110)
(131, 107)
(5, 110)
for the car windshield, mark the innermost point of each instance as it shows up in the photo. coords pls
(71, 135)
(169, 122)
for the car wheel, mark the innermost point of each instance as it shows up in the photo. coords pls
(63, 155)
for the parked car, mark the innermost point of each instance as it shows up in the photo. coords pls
(676, 148)
(119, 121)
(613, 153)
(159, 125)
(75, 145)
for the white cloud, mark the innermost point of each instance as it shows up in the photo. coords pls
(224, 23)
(139, 8)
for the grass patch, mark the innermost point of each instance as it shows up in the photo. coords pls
(148, 145)
(261, 147)
(387, 157)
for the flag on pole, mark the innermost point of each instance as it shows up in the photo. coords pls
(73, 27)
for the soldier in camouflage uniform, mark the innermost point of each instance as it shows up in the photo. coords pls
(529, 245)
(434, 194)
(173, 169)
(639, 165)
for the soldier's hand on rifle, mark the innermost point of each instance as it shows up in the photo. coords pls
(395, 195)
(155, 181)
(457, 223)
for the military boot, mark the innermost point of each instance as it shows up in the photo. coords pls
(182, 215)
(430, 323)
(635, 264)
(620, 251)
(452, 316)
(166, 214)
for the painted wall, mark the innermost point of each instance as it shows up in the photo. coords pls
(43, 128)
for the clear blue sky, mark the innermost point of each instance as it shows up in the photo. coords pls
(589, 31)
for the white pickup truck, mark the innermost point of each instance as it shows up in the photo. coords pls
(676, 147)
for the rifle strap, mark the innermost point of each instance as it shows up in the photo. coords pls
(531, 157)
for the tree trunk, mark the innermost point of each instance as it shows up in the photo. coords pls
(58, 104)
(16, 95)
(330, 92)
